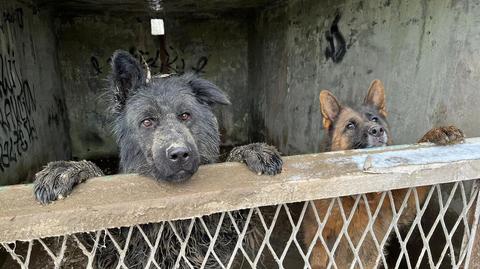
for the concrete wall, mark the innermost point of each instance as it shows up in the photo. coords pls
(270, 61)
(427, 53)
(33, 118)
(86, 44)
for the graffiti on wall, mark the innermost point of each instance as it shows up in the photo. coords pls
(57, 113)
(336, 47)
(18, 103)
(175, 62)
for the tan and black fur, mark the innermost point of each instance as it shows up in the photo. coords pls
(364, 127)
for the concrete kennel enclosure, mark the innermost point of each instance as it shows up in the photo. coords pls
(269, 56)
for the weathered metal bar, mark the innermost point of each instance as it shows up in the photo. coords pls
(125, 200)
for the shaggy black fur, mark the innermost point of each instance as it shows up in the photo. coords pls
(259, 157)
(165, 129)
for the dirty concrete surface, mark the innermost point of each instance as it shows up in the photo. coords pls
(33, 114)
(125, 200)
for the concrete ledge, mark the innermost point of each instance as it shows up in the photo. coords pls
(125, 200)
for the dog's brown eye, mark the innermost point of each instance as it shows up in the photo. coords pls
(147, 123)
(350, 126)
(374, 119)
(185, 116)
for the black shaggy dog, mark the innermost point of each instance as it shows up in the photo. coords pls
(165, 129)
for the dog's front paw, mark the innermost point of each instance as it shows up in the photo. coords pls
(444, 136)
(57, 179)
(259, 157)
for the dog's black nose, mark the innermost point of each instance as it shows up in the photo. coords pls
(178, 154)
(376, 131)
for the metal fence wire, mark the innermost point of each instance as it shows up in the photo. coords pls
(425, 227)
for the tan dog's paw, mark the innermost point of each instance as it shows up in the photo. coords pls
(446, 135)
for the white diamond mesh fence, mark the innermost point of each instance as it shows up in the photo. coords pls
(424, 227)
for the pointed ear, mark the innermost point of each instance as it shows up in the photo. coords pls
(127, 75)
(329, 107)
(206, 92)
(376, 97)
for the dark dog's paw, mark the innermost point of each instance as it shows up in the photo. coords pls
(259, 157)
(444, 136)
(57, 179)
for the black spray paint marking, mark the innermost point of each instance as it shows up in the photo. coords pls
(336, 42)
(17, 106)
(95, 65)
(57, 114)
(174, 64)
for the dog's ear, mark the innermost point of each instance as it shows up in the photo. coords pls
(206, 92)
(330, 108)
(376, 97)
(127, 75)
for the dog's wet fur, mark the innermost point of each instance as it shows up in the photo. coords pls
(363, 127)
(165, 129)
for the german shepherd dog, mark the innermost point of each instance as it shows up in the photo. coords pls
(365, 127)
